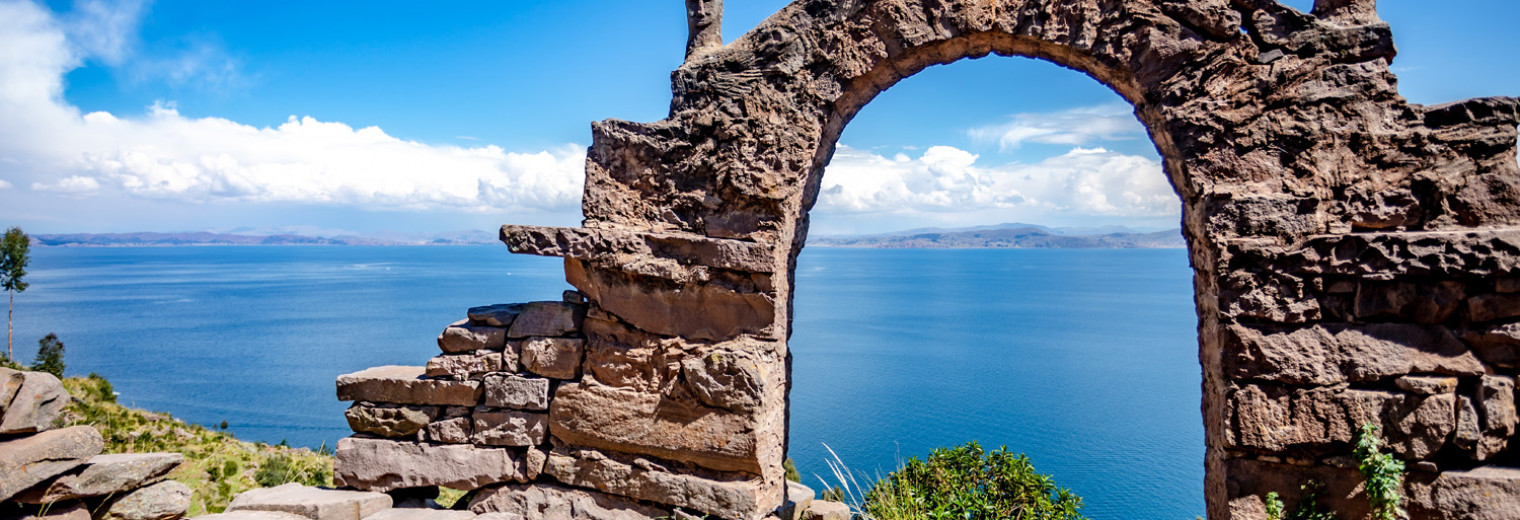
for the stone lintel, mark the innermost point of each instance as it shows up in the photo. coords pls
(617, 247)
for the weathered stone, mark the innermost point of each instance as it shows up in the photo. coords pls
(731, 380)
(513, 391)
(465, 337)
(1498, 345)
(636, 422)
(1490, 307)
(559, 358)
(1328, 354)
(10, 383)
(1496, 404)
(455, 430)
(72, 510)
(700, 311)
(165, 500)
(464, 366)
(510, 428)
(1469, 430)
(36, 404)
(656, 253)
(249, 514)
(826, 510)
(311, 503)
(28, 461)
(1421, 303)
(1507, 285)
(726, 495)
(1427, 385)
(103, 475)
(389, 420)
(1484, 493)
(420, 514)
(573, 296)
(1277, 419)
(383, 465)
(499, 315)
(798, 498)
(548, 319)
(404, 385)
(551, 502)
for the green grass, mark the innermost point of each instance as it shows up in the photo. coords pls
(217, 465)
(960, 483)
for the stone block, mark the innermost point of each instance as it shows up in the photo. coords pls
(464, 366)
(548, 319)
(1496, 406)
(510, 428)
(630, 421)
(37, 403)
(726, 495)
(1483, 493)
(1426, 385)
(826, 510)
(456, 430)
(499, 315)
(552, 502)
(1490, 307)
(726, 379)
(624, 247)
(404, 385)
(421, 514)
(384, 465)
(312, 503)
(102, 475)
(1278, 419)
(558, 358)
(513, 391)
(1327, 354)
(71, 510)
(695, 311)
(28, 461)
(1498, 345)
(389, 420)
(798, 498)
(249, 514)
(463, 336)
(10, 383)
(165, 500)
(1419, 302)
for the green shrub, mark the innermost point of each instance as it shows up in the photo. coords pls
(791, 470)
(968, 483)
(1384, 474)
(49, 356)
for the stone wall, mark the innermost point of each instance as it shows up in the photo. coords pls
(1355, 255)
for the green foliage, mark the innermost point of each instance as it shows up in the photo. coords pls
(1308, 506)
(49, 356)
(1384, 474)
(833, 494)
(14, 255)
(1274, 506)
(791, 470)
(217, 465)
(968, 483)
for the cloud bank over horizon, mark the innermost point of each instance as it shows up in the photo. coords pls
(116, 168)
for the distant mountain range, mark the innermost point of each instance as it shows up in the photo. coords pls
(1010, 235)
(206, 238)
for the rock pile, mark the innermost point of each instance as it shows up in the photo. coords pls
(61, 474)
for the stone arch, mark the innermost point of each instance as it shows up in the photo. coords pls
(1355, 255)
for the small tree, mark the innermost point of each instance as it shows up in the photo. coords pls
(13, 259)
(49, 355)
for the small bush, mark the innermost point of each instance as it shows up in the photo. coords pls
(1384, 474)
(49, 356)
(968, 483)
(791, 470)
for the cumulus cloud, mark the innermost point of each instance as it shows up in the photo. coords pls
(49, 145)
(1084, 181)
(1075, 127)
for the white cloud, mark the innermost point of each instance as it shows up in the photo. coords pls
(49, 145)
(4, 185)
(1075, 127)
(1083, 182)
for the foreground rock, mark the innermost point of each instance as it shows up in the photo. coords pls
(405, 385)
(385, 465)
(59, 511)
(37, 402)
(421, 514)
(28, 461)
(249, 514)
(104, 475)
(311, 503)
(552, 502)
(165, 500)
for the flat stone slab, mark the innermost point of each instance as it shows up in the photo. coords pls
(249, 514)
(36, 404)
(553, 502)
(59, 511)
(28, 461)
(405, 385)
(312, 503)
(103, 475)
(464, 337)
(513, 391)
(826, 510)
(165, 500)
(613, 246)
(385, 464)
(421, 514)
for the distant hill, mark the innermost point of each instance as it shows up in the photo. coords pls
(1012, 235)
(206, 238)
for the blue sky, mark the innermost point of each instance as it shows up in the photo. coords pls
(129, 115)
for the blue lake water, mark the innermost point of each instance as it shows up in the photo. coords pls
(1084, 359)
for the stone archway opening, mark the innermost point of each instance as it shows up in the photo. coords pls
(884, 341)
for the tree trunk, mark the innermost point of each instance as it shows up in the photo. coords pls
(10, 356)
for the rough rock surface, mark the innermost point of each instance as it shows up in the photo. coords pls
(165, 500)
(28, 461)
(558, 358)
(249, 514)
(551, 502)
(547, 319)
(826, 510)
(514, 391)
(311, 503)
(389, 420)
(102, 475)
(384, 465)
(10, 383)
(404, 385)
(72, 510)
(36, 403)
(462, 336)
(723, 495)
(420, 514)
(510, 428)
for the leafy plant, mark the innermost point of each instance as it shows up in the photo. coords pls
(969, 483)
(1274, 506)
(49, 356)
(1384, 474)
(1308, 506)
(14, 255)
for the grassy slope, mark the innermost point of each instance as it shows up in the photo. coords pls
(217, 465)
